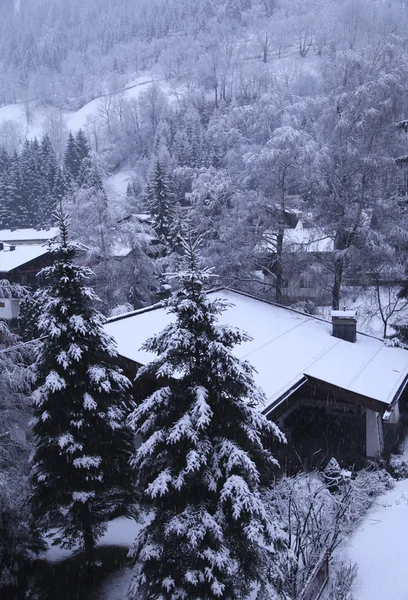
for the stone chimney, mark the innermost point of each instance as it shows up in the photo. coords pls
(345, 324)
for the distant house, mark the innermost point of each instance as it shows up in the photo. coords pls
(302, 247)
(334, 391)
(28, 236)
(23, 253)
(20, 264)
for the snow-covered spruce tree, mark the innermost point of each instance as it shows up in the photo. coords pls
(81, 473)
(204, 459)
(159, 200)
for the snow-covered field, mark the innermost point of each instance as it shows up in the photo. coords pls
(75, 120)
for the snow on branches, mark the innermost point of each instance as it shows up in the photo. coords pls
(80, 467)
(205, 455)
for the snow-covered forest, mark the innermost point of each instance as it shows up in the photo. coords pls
(260, 145)
(252, 113)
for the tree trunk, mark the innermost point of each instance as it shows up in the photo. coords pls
(279, 266)
(88, 538)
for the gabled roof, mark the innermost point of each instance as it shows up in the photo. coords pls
(287, 347)
(12, 259)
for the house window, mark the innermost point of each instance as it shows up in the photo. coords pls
(305, 281)
(2, 304)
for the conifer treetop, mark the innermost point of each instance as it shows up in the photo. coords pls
(80, 468)
(205, 455)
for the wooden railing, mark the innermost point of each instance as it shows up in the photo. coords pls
(318, 579)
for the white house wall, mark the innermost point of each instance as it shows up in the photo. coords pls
(9, 308)
(373, 439)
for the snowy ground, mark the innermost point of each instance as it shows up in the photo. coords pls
(120, 532)
(364, 301)
(379, 548)
(75, 120)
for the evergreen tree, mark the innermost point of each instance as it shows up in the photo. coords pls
(81, 146)
(81, 475)
(159, 200)
(5, 204)
(71, 166)
(60, 187)
(76, 151)
(31, 183)
(20, 213)
(204, 459)
(49, 173)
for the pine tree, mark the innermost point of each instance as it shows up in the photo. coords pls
(71, 166)
(76, 151)
(31, 183)
(49, 173)
(20, 211)
(81, 474)
(81, 146)
(159, 201)
(5, 204)
(204, 459)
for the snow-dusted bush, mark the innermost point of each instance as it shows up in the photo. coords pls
(306, 306)
(19, 537)
(361, 492)
(345, 574)
(399, 466)
(317, 517)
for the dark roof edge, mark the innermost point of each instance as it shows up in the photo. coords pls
(398, 394)
(286, 394)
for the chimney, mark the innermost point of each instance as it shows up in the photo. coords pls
(345, 324)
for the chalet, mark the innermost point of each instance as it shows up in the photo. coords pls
(302, 246)
(36, 237)
(20, 264)
(130, 228)
(332, 390)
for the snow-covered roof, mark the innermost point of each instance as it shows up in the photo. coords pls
(12, 259)
(286, 347)
(120, 249)
(298, 239)
(28, 235)
(307, 239)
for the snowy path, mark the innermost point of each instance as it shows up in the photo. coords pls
(380, 548)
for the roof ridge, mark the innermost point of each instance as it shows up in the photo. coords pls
(151, 307)
(295, 310)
